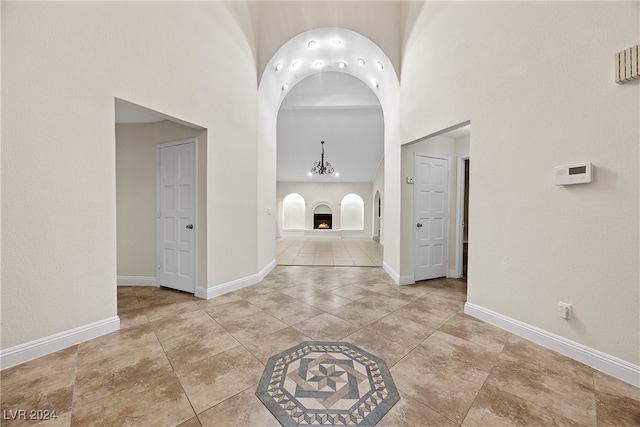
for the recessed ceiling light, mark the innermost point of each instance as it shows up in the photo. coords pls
(278, 66)
(336, 174)
(374, 83)
(310, 174)
(318, 64)
(295, 64)
(361, 61)
(336, 42)
(342, 64)
(379, 65)
(285, 86)
(312, 44)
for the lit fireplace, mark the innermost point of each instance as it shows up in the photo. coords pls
(322, 221)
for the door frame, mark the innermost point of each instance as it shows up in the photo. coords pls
(447, 206)
(460, 213)
(377, 216)
(194, 141)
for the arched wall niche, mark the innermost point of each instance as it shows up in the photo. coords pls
(322, 208)
(293, 212)
(352, 212)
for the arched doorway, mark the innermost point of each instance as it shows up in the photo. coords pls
(324, 51)
(377, 215)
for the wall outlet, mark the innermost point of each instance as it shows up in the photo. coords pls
(564, 310)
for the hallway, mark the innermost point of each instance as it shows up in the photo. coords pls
(179, 360)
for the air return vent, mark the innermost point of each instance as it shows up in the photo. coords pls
(627, 64)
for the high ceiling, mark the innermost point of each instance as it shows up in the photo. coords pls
(335, 107)
(129, 113)
(342, 111)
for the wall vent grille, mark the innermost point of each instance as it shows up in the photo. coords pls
(627, 64)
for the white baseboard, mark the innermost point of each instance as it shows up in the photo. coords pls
(400, 280)
(407, 280)
(32, 350)
(603, 362)
(216, 291)
(267, 269)
(137, 281)
(391, 272)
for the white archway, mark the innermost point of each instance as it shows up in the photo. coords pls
(311, 52)
(328, 49)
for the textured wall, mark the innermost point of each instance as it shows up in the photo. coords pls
(536, 81)
(62, 66)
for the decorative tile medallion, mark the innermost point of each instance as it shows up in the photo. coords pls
(327, 383)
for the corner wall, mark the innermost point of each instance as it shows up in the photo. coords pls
(62, 66)
(536, 81)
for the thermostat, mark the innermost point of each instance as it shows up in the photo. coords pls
(573, 174)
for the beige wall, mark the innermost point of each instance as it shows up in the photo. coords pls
(135, 200)
(136, 157)
(62, 66)
(539, 91)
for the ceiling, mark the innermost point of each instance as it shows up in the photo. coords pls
(342, 111)
(130, 113)
(327, 85)
(334, 107)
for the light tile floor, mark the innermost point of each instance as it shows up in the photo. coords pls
(179, 360)
(322, 252)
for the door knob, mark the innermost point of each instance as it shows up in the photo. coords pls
(418, 225)
(190, 226)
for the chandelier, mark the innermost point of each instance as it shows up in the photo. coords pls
(321, 167)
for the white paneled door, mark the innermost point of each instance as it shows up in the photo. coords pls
(176, 215)
(431, 195)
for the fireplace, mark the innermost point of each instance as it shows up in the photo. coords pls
(322, 221)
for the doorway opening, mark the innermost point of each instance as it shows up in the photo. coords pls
(462, 240)
(139, 132)
(358, 81)
(377, 216)
(452, 144)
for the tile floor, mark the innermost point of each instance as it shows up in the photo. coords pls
(183, 361)
(322, 252)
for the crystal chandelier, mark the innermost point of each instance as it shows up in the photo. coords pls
(321, 167)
